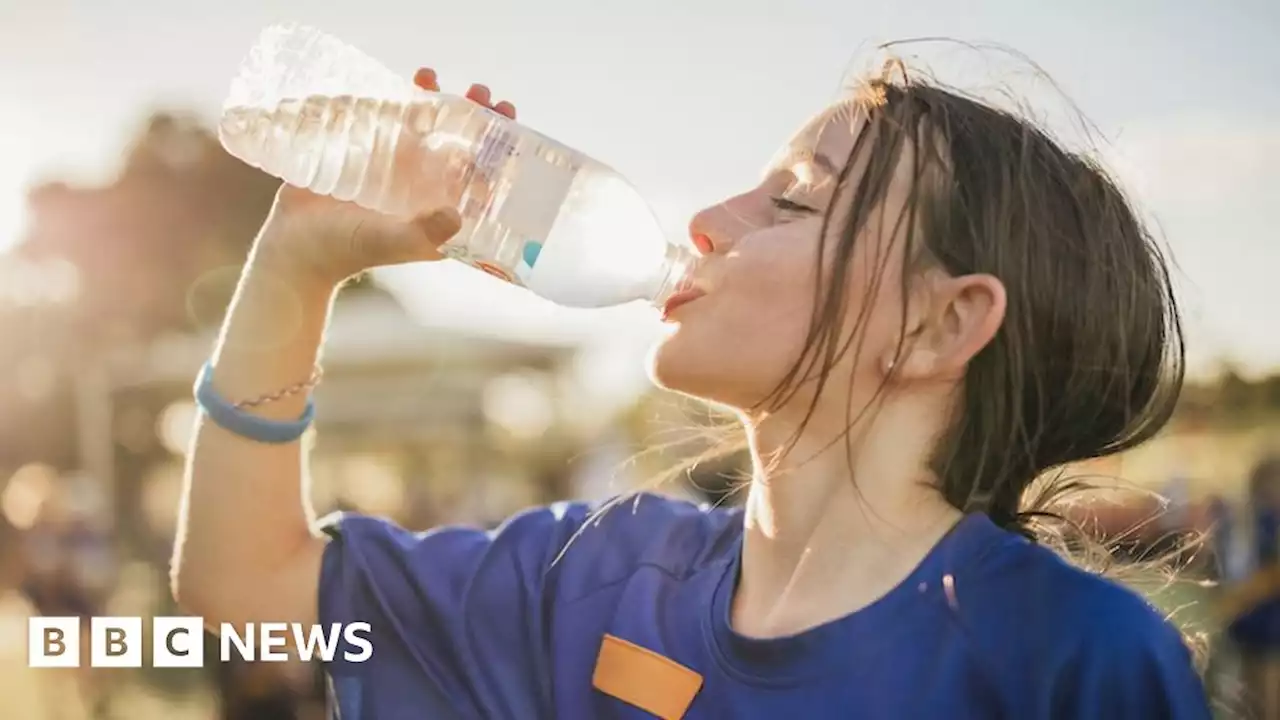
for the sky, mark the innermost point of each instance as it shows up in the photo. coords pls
(690, 98)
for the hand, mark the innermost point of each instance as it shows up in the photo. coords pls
(318, 239)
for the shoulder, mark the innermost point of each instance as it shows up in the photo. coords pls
(574, 546)
(643, 528)
(1059, 601)
(1073, 634)
(672, 536)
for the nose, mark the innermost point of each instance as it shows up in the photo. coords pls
(712, 229)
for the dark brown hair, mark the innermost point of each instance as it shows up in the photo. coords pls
(1089, 360)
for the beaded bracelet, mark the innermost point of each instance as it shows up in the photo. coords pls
(233, 418)
(304, 386)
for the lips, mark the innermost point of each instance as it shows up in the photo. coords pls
(682, 297)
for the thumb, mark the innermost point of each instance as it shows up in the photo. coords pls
(420, 238)
(438, 226)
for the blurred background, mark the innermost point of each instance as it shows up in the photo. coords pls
(450, 397)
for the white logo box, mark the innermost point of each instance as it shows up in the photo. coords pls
(178, 642)
(55, 642)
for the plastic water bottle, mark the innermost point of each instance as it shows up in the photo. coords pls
(321, 115)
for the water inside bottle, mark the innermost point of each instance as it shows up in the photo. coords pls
(339, 146)
(606, 247)
(534, 212)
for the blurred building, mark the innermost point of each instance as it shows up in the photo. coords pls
(420, 424)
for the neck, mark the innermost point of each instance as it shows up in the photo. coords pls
(832, 526)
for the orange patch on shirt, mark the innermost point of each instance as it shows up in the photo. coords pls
(645, 679)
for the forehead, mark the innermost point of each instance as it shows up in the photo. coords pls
(830, 133)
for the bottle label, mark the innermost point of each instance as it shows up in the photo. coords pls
(496, 147)
(536, 191)
(527, 192)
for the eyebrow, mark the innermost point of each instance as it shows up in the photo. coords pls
(825, 164)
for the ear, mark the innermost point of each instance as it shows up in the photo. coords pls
(963, 317)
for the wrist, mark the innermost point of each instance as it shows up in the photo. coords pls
(278, 259)
(276, 310)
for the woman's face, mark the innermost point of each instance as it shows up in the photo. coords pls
(736, 343)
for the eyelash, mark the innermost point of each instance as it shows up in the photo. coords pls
(786, 205)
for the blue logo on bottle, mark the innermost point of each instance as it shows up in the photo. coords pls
(531, 252)
(528, 258)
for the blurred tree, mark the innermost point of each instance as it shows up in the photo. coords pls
(111, 267)
(1234, 391)
(156, 250)
(147, 251)
(1269, 391)
(146, 244)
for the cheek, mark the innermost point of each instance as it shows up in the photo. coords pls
(736, 345)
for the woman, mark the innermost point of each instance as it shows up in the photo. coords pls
(924, 305)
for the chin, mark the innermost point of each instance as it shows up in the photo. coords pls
(664, 365)
(676, 364)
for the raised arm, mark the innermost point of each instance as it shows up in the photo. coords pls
(246, 548)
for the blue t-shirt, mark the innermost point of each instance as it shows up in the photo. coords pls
(474, 624)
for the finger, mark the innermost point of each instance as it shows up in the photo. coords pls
(426, 79)
(505, 108)
(416, 241)
(479, 94)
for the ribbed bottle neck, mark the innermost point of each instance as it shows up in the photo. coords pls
(673, 275)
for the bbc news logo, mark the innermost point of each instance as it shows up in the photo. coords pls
(178, 642)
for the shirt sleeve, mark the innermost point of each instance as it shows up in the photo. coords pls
(457, 617)
(1139, 670)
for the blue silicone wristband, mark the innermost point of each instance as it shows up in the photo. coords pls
(232, 419)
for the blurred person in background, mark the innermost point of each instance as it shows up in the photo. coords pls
(20, 686)
(1224, 540)
(1173, 520)
(70, 572)
(55, 579)
(26, 692)
(1253, 591)
(1220, 529)
(924, 306)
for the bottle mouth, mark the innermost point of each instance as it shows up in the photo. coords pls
(676, 275)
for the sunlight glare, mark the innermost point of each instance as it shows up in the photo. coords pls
(15, 167)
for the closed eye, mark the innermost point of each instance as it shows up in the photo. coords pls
(786, 205)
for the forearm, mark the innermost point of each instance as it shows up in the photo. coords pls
(245, 527)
